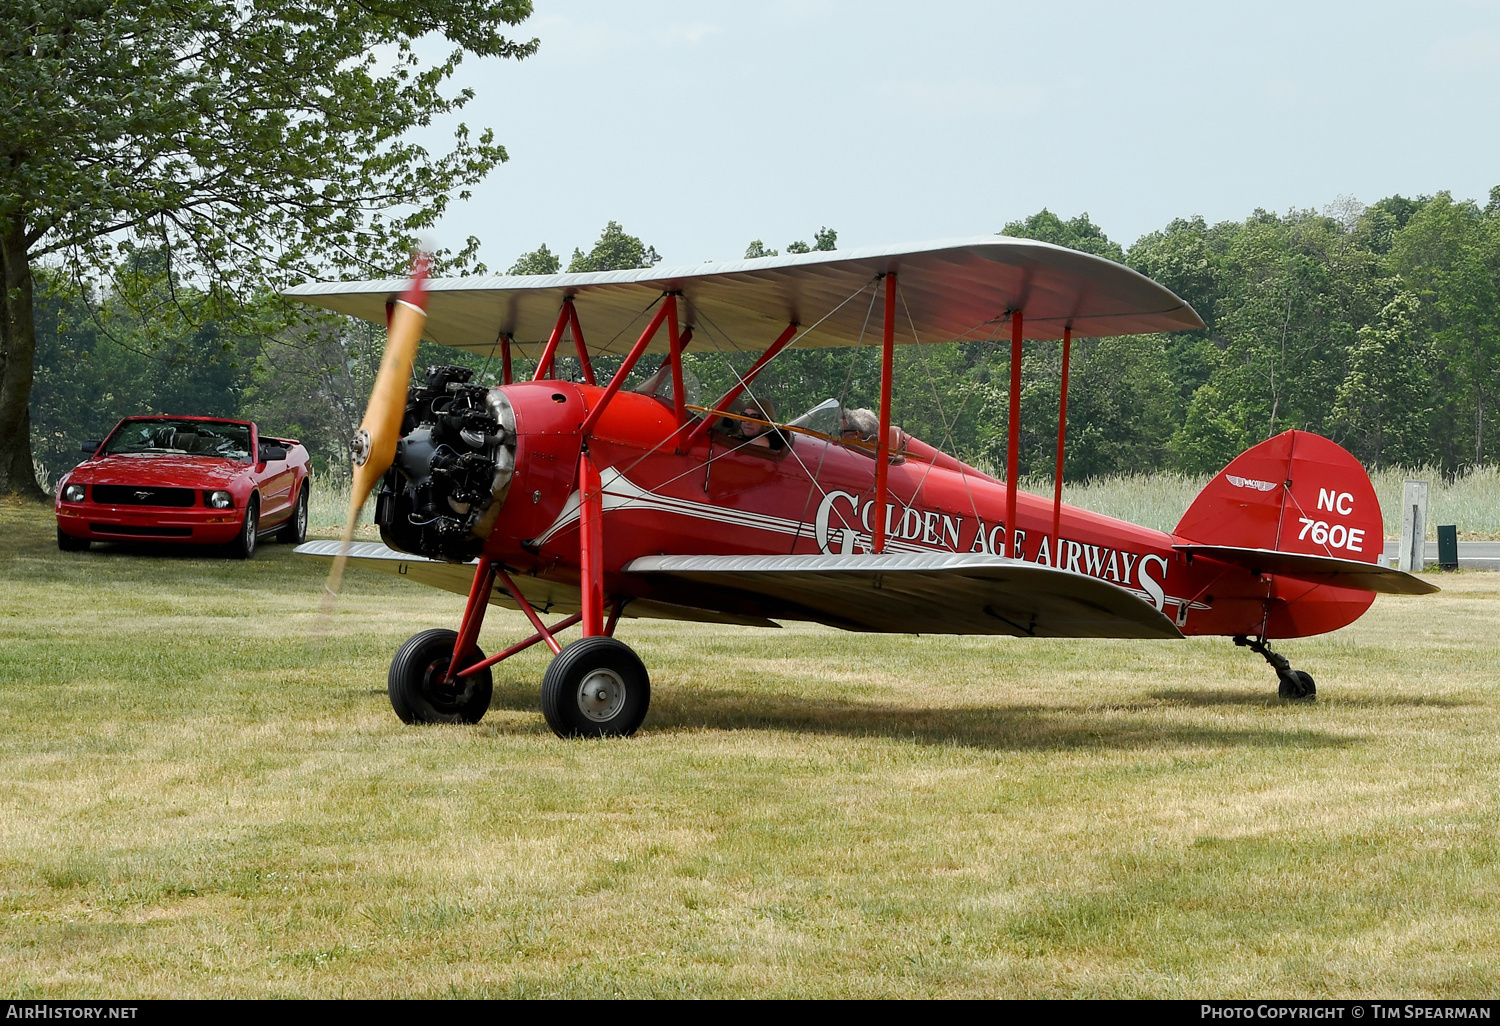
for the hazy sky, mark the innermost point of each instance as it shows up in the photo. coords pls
(701, 126)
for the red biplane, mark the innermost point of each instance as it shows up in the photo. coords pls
(597, 502)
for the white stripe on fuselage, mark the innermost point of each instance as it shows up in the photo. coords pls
(620, 493)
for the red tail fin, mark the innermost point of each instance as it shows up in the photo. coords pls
(1297, 492)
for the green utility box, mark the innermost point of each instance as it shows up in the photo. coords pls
(1447, 547)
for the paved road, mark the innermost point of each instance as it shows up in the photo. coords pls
(1472, 555)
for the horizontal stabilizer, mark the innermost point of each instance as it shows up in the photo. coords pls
(1341, 573)
(546, 596)
(913, 593)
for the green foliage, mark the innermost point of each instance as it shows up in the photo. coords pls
(758, 249)
(250, 139)
(96, 365)
(825, 240)
(1385, 403)
(1080, 233)
(248, 145)
(1449, 255)
(539, 261)
(615, 251)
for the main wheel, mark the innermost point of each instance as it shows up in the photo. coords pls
(1297, 684)
(294, 531)
(243, 546)
(596, 687)
(416, 686)
(67, 543)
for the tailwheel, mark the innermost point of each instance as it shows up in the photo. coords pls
(596, 687)
(1297, 684)
(416, 684)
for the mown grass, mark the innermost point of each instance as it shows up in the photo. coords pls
(200, 801)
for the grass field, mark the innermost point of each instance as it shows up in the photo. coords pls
(201, 802)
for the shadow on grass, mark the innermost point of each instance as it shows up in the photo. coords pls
(1206, 697)
(1005, 728)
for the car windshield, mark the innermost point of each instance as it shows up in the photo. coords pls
(191, 437)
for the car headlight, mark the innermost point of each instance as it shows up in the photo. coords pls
(73, 493)
(220, 500)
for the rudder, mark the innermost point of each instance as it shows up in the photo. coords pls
(1296, 492)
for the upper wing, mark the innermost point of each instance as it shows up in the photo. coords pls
(546, 596)
(1341, 573)
(912, 593)
(954, 288)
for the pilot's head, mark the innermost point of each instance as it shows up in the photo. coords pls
(861, 425)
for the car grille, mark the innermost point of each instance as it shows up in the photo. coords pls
(145, 532)
(143, 495)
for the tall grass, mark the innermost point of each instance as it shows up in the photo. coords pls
(1471, 501)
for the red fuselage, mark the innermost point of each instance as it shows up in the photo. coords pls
(664, 495)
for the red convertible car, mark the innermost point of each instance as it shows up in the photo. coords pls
(190, 480)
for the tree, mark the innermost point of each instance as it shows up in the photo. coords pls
(1080, 233)
(254, 144)
(758, 249)
(312, 384)
(539, 261)
(825, 240)
(615, 251)
(1385, 403)
(101, 359)
(1448, 253)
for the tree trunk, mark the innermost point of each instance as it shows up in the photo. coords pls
(17, 359)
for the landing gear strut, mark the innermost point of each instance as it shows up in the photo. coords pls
(1295, 684)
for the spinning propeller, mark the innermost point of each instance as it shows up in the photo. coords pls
(374, 443)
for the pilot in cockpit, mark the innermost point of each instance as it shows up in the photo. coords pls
(861, 425)
(758, 429)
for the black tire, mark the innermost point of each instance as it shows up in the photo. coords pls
(596, 687)
(415, 682)
(1297, 685)
(294, 531)
(243, 547)
(68, 543)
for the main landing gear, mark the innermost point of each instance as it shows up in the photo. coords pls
(422, 690)
(596, 687)
(1296, 685)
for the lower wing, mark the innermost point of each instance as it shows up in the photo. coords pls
(911, 593)
(546, 596)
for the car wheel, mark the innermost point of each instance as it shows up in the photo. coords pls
(295, 531)
(68, 543)
(243, 547)
(596, 687)
(416, 688)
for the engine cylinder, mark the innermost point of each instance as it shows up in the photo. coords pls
(452, 470)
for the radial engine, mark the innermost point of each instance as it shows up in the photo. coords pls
(452, 470)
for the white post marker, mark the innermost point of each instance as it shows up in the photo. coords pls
(1412, 555)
